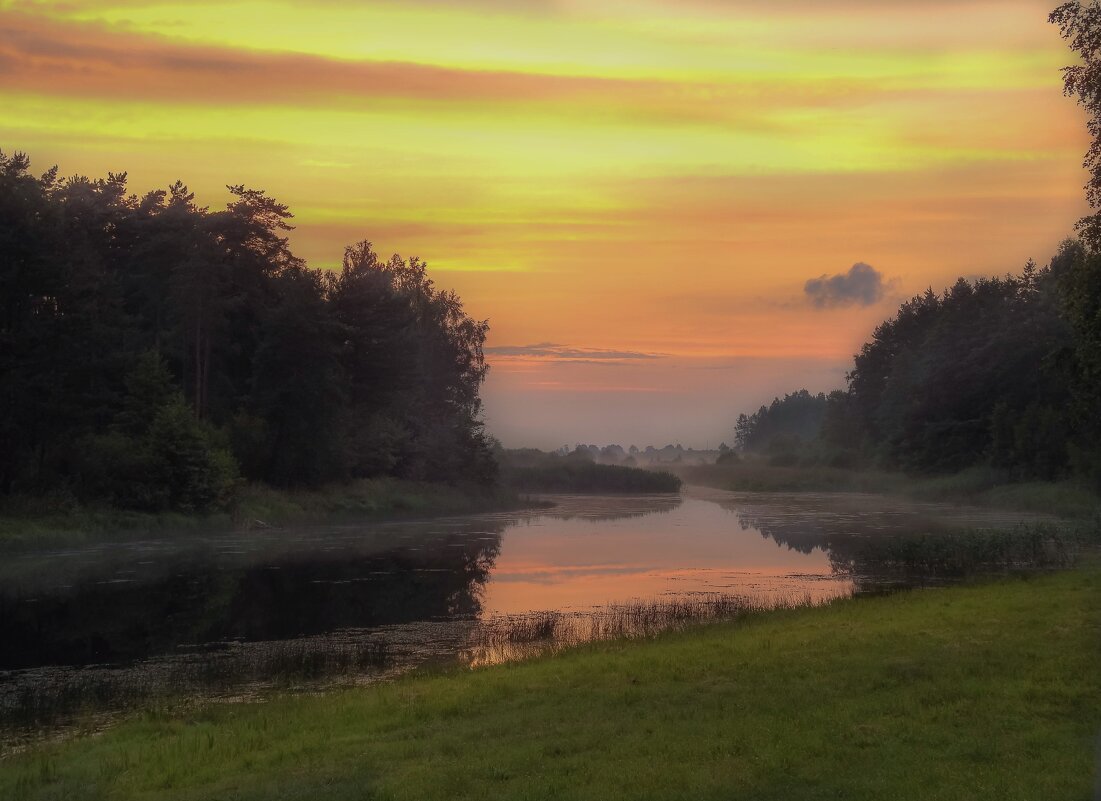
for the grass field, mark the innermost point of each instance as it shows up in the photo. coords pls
(975, 692)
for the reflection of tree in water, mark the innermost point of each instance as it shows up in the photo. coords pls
(886, 548)
(805, 533)
(206, 596)
(802, 535)
(234, 616)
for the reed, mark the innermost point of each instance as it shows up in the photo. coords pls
(508, 638)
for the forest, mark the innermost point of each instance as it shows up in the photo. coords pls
(155, 353)
(1004, 372)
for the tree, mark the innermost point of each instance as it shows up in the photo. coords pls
(1080, 273)
(124, 318)
(1080, 24)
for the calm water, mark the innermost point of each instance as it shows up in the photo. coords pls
(105, 628)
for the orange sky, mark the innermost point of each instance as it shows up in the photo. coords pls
(634, 193)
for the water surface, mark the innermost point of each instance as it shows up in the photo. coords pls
(108, 627)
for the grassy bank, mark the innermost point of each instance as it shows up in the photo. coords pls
(977, 692)
(40, 523)
(980, 486)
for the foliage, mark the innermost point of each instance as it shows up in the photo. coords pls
(1004, 372)
(972, 375)
(986, 373)
(52, 521)
(1080, 25)
(157, 455)
(979, 485)
(575, 475)
(782, 425)
(149, 347)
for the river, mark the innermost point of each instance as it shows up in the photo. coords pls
(95, 631)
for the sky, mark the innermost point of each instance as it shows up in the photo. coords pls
(670, 211)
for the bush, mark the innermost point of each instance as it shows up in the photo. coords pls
(196, 474)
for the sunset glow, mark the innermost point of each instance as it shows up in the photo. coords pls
(634, 194)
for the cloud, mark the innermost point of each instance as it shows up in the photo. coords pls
(549, 351)
(862, 285)
(74, 58)
(91, 59)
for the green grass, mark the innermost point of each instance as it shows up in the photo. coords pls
(978, 485)
(27, 524)
(976, 692)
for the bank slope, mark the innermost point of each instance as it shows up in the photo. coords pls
(977, 692)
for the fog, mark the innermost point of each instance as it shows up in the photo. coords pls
(669, 400)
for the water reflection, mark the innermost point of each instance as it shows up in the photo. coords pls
(693, 548)
(882, 543)
(147, 599)
(109, 627)
(112, 626)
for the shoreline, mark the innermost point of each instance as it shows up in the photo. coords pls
(370, 500)
(904, 696)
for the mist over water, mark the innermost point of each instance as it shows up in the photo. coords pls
(105, 628)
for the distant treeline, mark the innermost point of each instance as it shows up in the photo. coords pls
(999, 371)
(632, 456)
(152, 351)
(590, 477)
(532, 470)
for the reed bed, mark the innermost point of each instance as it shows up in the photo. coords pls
(510, 637)
(930, 557)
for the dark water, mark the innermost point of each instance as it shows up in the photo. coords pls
(99, 630)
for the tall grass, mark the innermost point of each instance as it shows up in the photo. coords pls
(981, 486)
(759, 476)
(508, 638)
(921, 558)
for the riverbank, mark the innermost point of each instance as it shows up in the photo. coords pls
(582, 477)
(975, 692)
(976, 486)
(40, 524)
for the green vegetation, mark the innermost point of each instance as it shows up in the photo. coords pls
(939, 387)
(369, 497)
(981, 486)
(154, 353)
(975, 692)
(581, 476)
(577, 471)
(1001, 373)
(60, 521)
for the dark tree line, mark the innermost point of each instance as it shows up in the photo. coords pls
(153, 351)
(1000, 371)
(996, 371)
(981, 373)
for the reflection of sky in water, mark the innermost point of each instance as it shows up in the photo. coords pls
(696, 547)
(224, 615)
